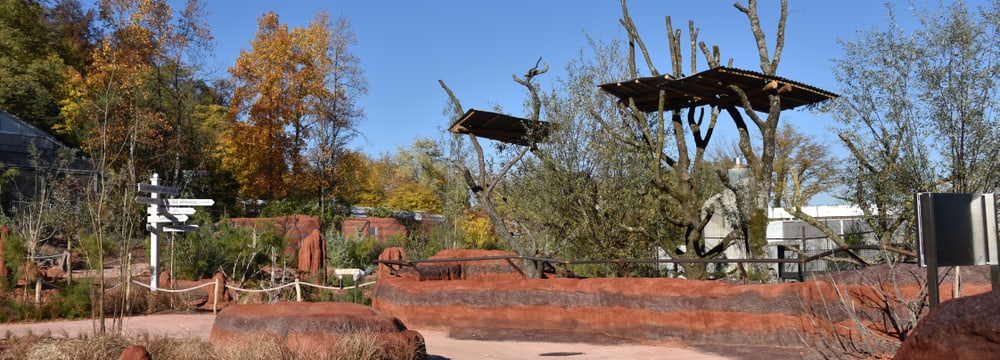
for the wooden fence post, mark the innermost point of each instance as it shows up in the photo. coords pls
(215, 298)
(298, 291)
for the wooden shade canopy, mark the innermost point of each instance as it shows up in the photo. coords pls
(711, 87)
(500, 127)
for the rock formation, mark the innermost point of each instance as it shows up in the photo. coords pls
(963, 328)
(312, 253)
(4, 232)
(316, 328)
(659, 310)
(393, 254)
(135, 352)
(219, 297)
(164, 280)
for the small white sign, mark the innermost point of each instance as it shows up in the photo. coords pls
(157, 189)
(179, 228)
(190, 202)
(171, 210)
(174, 202)
(166, 219)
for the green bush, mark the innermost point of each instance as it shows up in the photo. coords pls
(74, 301)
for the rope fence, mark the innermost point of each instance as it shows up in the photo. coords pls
(216, 284)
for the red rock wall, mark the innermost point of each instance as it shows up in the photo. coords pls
(597, 310)
(636, 310)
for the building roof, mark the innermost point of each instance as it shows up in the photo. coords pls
(501, 127)
(17, 138)
(711, 87)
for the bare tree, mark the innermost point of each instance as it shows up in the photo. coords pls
(483, 183)
(676, 138)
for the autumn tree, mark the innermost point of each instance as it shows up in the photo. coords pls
(125, 113)
(337, 125)
(295, 88)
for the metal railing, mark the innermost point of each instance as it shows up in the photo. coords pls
(849, 251)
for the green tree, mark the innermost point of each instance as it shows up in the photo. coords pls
(917, 114)
(32, 72)
(585, 195)
(803, 168)
(484, 183)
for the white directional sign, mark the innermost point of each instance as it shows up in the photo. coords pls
(171, 210)
(179, 228)
(148, 200)
(190, 202)
(157, 189)
(164, 215)
(166, 219)
(174, 202)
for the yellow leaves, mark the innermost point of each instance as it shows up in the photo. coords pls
(478, 232)
(283, 94)
(412, 196)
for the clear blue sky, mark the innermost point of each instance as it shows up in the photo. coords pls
(405, 47)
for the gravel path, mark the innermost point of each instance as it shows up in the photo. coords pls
(439, 345)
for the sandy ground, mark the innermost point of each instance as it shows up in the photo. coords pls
(439, 345)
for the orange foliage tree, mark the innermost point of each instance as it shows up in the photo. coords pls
(292, 95)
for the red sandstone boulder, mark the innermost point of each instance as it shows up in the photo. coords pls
(312, 253)
(135, 352)
(219, 297)
(4, 232)
(164, 280)
(314, 329)
(394, 254)
(963, 328)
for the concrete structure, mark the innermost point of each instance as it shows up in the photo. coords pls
(784, 230)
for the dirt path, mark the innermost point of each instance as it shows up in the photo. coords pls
(439, 345)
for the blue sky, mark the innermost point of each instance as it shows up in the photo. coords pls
(405, 47)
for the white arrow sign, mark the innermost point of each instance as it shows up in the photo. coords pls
(171, 210)
(174, 202)
(179, 228)
(166, 190)
(190, 202)
(166, 219)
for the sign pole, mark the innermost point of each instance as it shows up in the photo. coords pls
(154, 256)
(164, 215)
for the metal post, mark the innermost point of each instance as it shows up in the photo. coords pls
(154, 256)
(995, 276)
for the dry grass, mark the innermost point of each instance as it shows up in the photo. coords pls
(868, 315)
(265, 347)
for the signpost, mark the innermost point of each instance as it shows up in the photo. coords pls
(164, 215)
(167, 219)
(173, 210)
